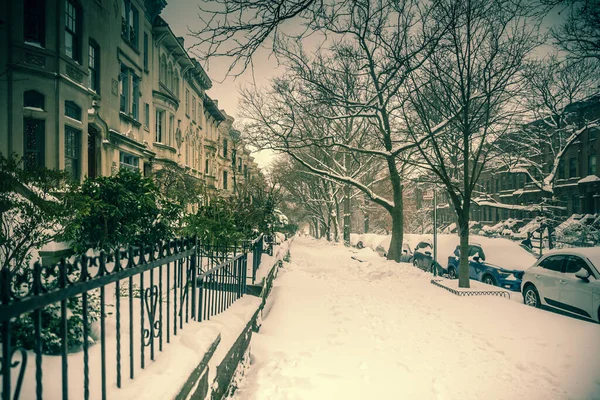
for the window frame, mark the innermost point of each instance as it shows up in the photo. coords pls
(124, 164)
(130, 23)
(225, 178)
(74, 31)
(75, 164)
(73, 111)
(39, 96)
(34, 15)
(573, 167)
(135, 96)
(594, 170)
(40, 139)
(159, 123)
(146, 50)
(94, 48)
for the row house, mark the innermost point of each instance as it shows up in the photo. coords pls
(93, 86)
(576, 185)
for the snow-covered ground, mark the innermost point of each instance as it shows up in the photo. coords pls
(339, 328)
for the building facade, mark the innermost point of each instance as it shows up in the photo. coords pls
(92, 86)
(500, 194)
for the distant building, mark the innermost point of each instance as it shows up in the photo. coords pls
(93, 86)
(576, 189)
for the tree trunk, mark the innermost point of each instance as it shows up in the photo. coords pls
(463, 266)
(395, 250)
(347, 219)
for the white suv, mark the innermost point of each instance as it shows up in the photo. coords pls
(566, 279)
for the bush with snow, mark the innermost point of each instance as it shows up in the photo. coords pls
(22, 327)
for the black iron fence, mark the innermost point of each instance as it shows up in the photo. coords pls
(152, 292)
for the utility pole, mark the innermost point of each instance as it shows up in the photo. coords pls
(434, 231)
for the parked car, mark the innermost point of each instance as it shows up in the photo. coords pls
(423, 258)
(483, 271)
(407, 254)
(567, 280)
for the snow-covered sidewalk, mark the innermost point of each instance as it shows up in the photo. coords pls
(339, 328)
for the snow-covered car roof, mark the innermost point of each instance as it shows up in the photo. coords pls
(591, 253)
(501, 252)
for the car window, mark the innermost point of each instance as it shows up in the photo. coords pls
(553, 263)
(476, 251)
(575, 264)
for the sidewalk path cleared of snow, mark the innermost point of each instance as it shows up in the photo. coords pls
(339, 328)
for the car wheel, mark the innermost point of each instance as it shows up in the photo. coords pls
(489, 280)
(531, 297)
(451, 273)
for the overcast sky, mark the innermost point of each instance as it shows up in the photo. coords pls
(182, 15)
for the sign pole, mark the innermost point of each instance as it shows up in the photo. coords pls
(434, 231)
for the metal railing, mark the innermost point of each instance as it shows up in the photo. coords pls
(152, 292)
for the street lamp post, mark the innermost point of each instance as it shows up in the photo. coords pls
(434, 232)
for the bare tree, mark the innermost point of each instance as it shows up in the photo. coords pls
(371, 47)
(554, 88)
(469, 84)
(579, 35)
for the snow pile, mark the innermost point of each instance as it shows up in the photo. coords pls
(340, 328)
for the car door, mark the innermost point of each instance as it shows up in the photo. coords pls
(576, 295)
(475, 266)
(546, 277)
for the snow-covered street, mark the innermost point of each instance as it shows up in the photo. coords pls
(339, 328)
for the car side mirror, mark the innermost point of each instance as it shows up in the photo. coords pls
(583, 274)
(428, 253)
(405, 251)
(476, 258)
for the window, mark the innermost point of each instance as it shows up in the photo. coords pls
(163, 69)
(147, 115)
(34, 131)
(561, 169)
(224, 179)
(72, 110)
(245, 171)
(592, 164)
(592, 134)
(239, 166)
(34, 16)
(160, 125)
(94, 66)
(553, 263)
(575, 204)
(572, 167)
(169, 82)
(575, 264)
(72, 29)
(171, 129)
(187, 102)
(206, 166)
(199, 113)
(145, 50)
(225, 148)
(33, 99)
(135, 97)
(129, 22)
(124, 88)
(193, 108)
(176, 83)
(72, 152)
(129, 161)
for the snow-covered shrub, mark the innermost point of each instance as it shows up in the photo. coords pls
(23, 331)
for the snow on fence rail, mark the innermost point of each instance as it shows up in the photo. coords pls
(163, 286)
